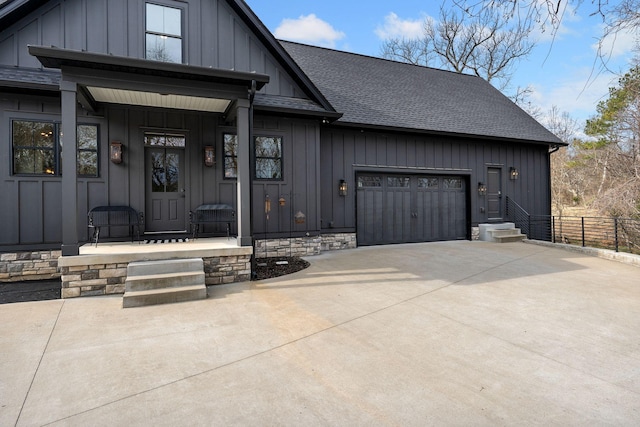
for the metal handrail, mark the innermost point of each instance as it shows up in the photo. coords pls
(619, 234)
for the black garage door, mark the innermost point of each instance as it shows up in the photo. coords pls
(410, 208)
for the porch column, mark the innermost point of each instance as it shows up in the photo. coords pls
(244, 173)
(70, 244)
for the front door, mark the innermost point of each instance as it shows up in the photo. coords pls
(165, 186)
(494, 194)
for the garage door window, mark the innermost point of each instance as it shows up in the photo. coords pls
(398, 182)
(428, 183)
(452, 183)
(369, 181)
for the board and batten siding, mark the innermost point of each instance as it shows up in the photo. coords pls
(345, 152)
(214, 36)
(31, 209)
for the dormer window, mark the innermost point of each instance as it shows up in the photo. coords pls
(163, 33)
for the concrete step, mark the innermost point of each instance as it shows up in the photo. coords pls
(510, 238)
(143, 268)
(504, 232)
(164, 296)
(168, 280)
(164, 281)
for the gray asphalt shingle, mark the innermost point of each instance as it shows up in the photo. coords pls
(380, 92)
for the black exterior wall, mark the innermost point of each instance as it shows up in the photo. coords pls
(346, 152)
(31, 209)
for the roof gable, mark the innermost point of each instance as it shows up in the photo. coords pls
(234, 38)
(389, 94)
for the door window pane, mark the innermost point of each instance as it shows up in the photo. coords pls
(158, 175)
(164, 140)
(172, 170)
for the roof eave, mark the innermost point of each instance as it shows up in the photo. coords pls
(265, 36)
(52, 57)
(372, 127)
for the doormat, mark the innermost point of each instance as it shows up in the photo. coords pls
(158, 241)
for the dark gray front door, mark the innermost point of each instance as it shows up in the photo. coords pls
(165, 191)
(400, 208)
(494, 194)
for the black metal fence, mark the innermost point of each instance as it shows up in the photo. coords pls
(619, 234)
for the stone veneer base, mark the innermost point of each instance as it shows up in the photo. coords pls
(104, 274)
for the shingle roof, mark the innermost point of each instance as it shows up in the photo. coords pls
(29, 78)
(378, 92)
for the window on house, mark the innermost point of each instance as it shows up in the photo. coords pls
(87, 150)
(163, 38)
(230, 156)
(37, 147)
(268, 157)
(268, 150)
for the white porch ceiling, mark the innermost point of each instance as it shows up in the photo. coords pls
(150, 99)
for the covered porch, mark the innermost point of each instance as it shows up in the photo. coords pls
(93, 81)
(102, 269)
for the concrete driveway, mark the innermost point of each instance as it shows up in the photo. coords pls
(454, 333)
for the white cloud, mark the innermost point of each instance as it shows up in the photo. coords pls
(309, 29)
(616, 45)
(577, 94)
(394, 27)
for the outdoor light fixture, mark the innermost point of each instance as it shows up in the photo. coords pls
(513, 173)
(342, 188)
(282, 201)
(115, 152)
(209, 156)
(482, 189)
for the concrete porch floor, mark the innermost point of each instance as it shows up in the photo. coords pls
(200, 244)
(452, 333)
(124, 252)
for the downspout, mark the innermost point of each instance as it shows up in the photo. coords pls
(252, 171)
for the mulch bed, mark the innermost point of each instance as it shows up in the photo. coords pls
(36, 290)
(267, 268)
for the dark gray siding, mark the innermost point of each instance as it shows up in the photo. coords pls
(214, 36)
(31, 209)
(344, 153)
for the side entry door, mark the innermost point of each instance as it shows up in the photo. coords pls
(164, 182)
(494, 194)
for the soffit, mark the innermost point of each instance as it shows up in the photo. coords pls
(150, 99)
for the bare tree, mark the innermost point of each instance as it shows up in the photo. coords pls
(565, 184)
(487, 45)
(616, 15)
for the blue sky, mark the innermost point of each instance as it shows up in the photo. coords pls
(560, 71)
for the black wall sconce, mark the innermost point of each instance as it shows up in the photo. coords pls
(115, 152)
(513, 173)
(209, 156)
(482, 189)
(342, 188)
